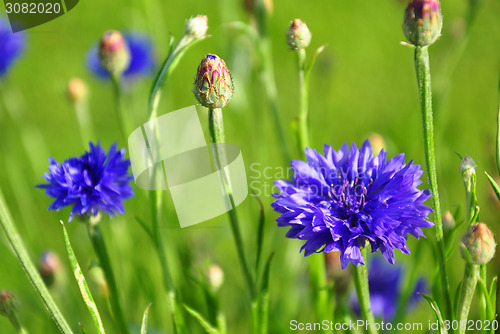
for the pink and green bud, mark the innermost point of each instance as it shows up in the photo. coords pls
(213, 85)
(298, 35)
(480, 243)
(423, 22)
(196, 27)
(114, 53)
(8, 303)
(49, 265)
(77, 90)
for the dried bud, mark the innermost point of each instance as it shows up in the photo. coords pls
(468, 166)
(448, 221)
(423, 22)
(77, 90)
(8, 303)
(480, 243)
(298, 35)
(49, 265)
(215, 276)
(114, 53)
(213, 85)
(196, 27)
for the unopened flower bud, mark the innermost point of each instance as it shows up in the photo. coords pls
(468, 166)
(114, 53)
(8, 303)
(480, 243)
(49, 265)
(215, 276)
(298, 35)
(213, 85)
(448, 221)
(77, 90)
(196, 27)
(423, 22)
(378, 143)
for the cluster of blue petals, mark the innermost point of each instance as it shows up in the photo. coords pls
(96, 181)
(344, 199)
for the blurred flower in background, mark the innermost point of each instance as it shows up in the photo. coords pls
(94, 182)
(342, 200)
(11, 46)
(385, 290)
(142, 59)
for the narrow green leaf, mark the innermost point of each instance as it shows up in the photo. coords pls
(203, 322)
(437, 313)
(145, 227)
(494, 185)
(314, 56)
(457, 297)
(484, 290)
(82, 283)
(82, 330)
(260, 232)
(144, 326)
(493, 292)
(260, 306)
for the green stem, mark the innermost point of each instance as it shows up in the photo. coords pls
(269, 84)
(302, 128)
(19, 249)
(177, 315)
(481, 295)
(119, 107)
(363, 292)
(216, 128)
(99, 245)
(424, 85)
(471, 275)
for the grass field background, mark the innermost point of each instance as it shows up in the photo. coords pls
(363, 83)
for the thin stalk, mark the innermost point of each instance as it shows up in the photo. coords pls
(119, 106)
(216, 129)
(322, 294)
(302, 128)
(424, 86)
(84, 121)
(363, 292)
(99, 245)
(471, 275)
(481, 295)
(14, 320)
(19, 249)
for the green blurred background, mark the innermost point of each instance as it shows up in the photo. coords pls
(363, 83)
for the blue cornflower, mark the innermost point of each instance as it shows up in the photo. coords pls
(142, 59)
(11, 46)
(340, 201)
(384, 283)
(93, 182)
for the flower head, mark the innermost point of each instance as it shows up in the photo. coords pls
(142, 60)
(423, 22)
(385, 288)
(11, 46)
(341, 200)
(298, 35)
(96, 181)
(213, 85)
(9, 304)
(49, 265)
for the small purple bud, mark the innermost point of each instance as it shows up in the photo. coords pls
(8, 303)
(213, 85)
(49, 265)
(298, 35)
(423, 22)
(114, 53)
(480, 243)
(196, 27)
